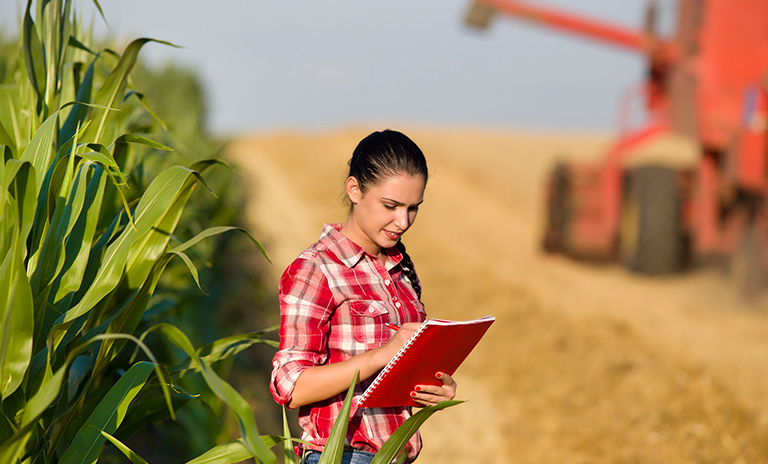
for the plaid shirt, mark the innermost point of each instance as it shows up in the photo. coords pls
(335, 302)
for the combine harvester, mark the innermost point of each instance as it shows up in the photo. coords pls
(691, 184)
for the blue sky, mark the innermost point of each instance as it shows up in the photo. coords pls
(322, 64)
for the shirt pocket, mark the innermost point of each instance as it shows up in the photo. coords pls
(368, 321)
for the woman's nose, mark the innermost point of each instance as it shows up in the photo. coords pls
(402, 220)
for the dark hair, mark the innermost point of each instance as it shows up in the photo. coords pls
(384, 154)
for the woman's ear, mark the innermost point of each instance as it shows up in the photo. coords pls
(353, 190)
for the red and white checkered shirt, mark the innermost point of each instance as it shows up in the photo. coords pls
(335, 302)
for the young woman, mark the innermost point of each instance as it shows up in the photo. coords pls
(338, 297)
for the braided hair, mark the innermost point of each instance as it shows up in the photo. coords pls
(407, 265)
(384, 154)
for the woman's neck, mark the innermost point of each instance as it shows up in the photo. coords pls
(353, 233)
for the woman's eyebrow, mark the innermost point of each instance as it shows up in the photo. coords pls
(399, 203)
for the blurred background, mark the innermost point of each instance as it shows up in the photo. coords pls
(589, 362)
(319, 65)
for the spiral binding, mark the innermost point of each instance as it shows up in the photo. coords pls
(380, 378)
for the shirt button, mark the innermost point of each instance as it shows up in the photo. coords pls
(387, 282)
(397, 304)
(371, 310)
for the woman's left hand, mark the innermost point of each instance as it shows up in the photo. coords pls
(430, 395)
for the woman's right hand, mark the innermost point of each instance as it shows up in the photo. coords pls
(388, 351)
(318, 383)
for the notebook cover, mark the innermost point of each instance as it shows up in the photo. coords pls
(438, 345)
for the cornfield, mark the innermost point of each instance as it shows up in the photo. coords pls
(87, 230)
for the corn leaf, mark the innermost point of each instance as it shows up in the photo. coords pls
(152, 207)
(52, 29)
(19, 182)
(237, 404)
(107, 416)
(129, 453)
(10, 124)
(127, 319)
(219, 230)
(66, 213)
(151, 406)
(16, 318)
(13, 449)
(334, 447)
(32, 55)
(224, 348)
(147, 248)
(228, 453)
(164, 378)
(39, 152)
(51, 384)
(289, 455)
(130, 316)
(232, 452)
(81, 367)
(109, 95)
(397, 441)
(80, 239)
(77, 116)
(43, 398)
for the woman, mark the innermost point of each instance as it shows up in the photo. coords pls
(338, 297)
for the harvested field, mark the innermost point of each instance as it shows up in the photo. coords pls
(586, 363)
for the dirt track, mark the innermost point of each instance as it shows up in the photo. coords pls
(586, 364)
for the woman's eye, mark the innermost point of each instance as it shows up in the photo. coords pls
(390, 207)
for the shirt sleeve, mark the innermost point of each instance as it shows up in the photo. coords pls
(306, 306)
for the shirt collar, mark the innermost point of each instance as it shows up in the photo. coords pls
(348, 251)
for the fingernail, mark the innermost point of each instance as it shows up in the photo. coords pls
(413, 393)
(438, 375)
(418, 389)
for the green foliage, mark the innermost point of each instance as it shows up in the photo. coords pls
(336, 439)
(92, 215)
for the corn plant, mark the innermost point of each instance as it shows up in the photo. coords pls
(86, 232)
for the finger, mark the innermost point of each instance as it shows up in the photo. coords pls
(432, 393)
(426, 399)
(428, 389)
(445, 378)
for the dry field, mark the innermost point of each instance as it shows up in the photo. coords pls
(586, 363)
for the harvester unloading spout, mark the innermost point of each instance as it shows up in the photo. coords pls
(482, 12)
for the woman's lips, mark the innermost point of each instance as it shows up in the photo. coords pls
(393, 235)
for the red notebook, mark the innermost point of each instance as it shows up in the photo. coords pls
(437, 345)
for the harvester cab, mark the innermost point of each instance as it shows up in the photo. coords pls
(691, 183)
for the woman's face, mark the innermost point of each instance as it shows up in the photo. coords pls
(384, 212)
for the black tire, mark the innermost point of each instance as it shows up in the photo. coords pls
(651, 239)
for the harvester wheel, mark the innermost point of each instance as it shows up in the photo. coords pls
(558, 211)
(651, 237)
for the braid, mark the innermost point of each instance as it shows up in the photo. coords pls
(408, 270)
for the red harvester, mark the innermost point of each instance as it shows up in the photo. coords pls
(707, 100)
